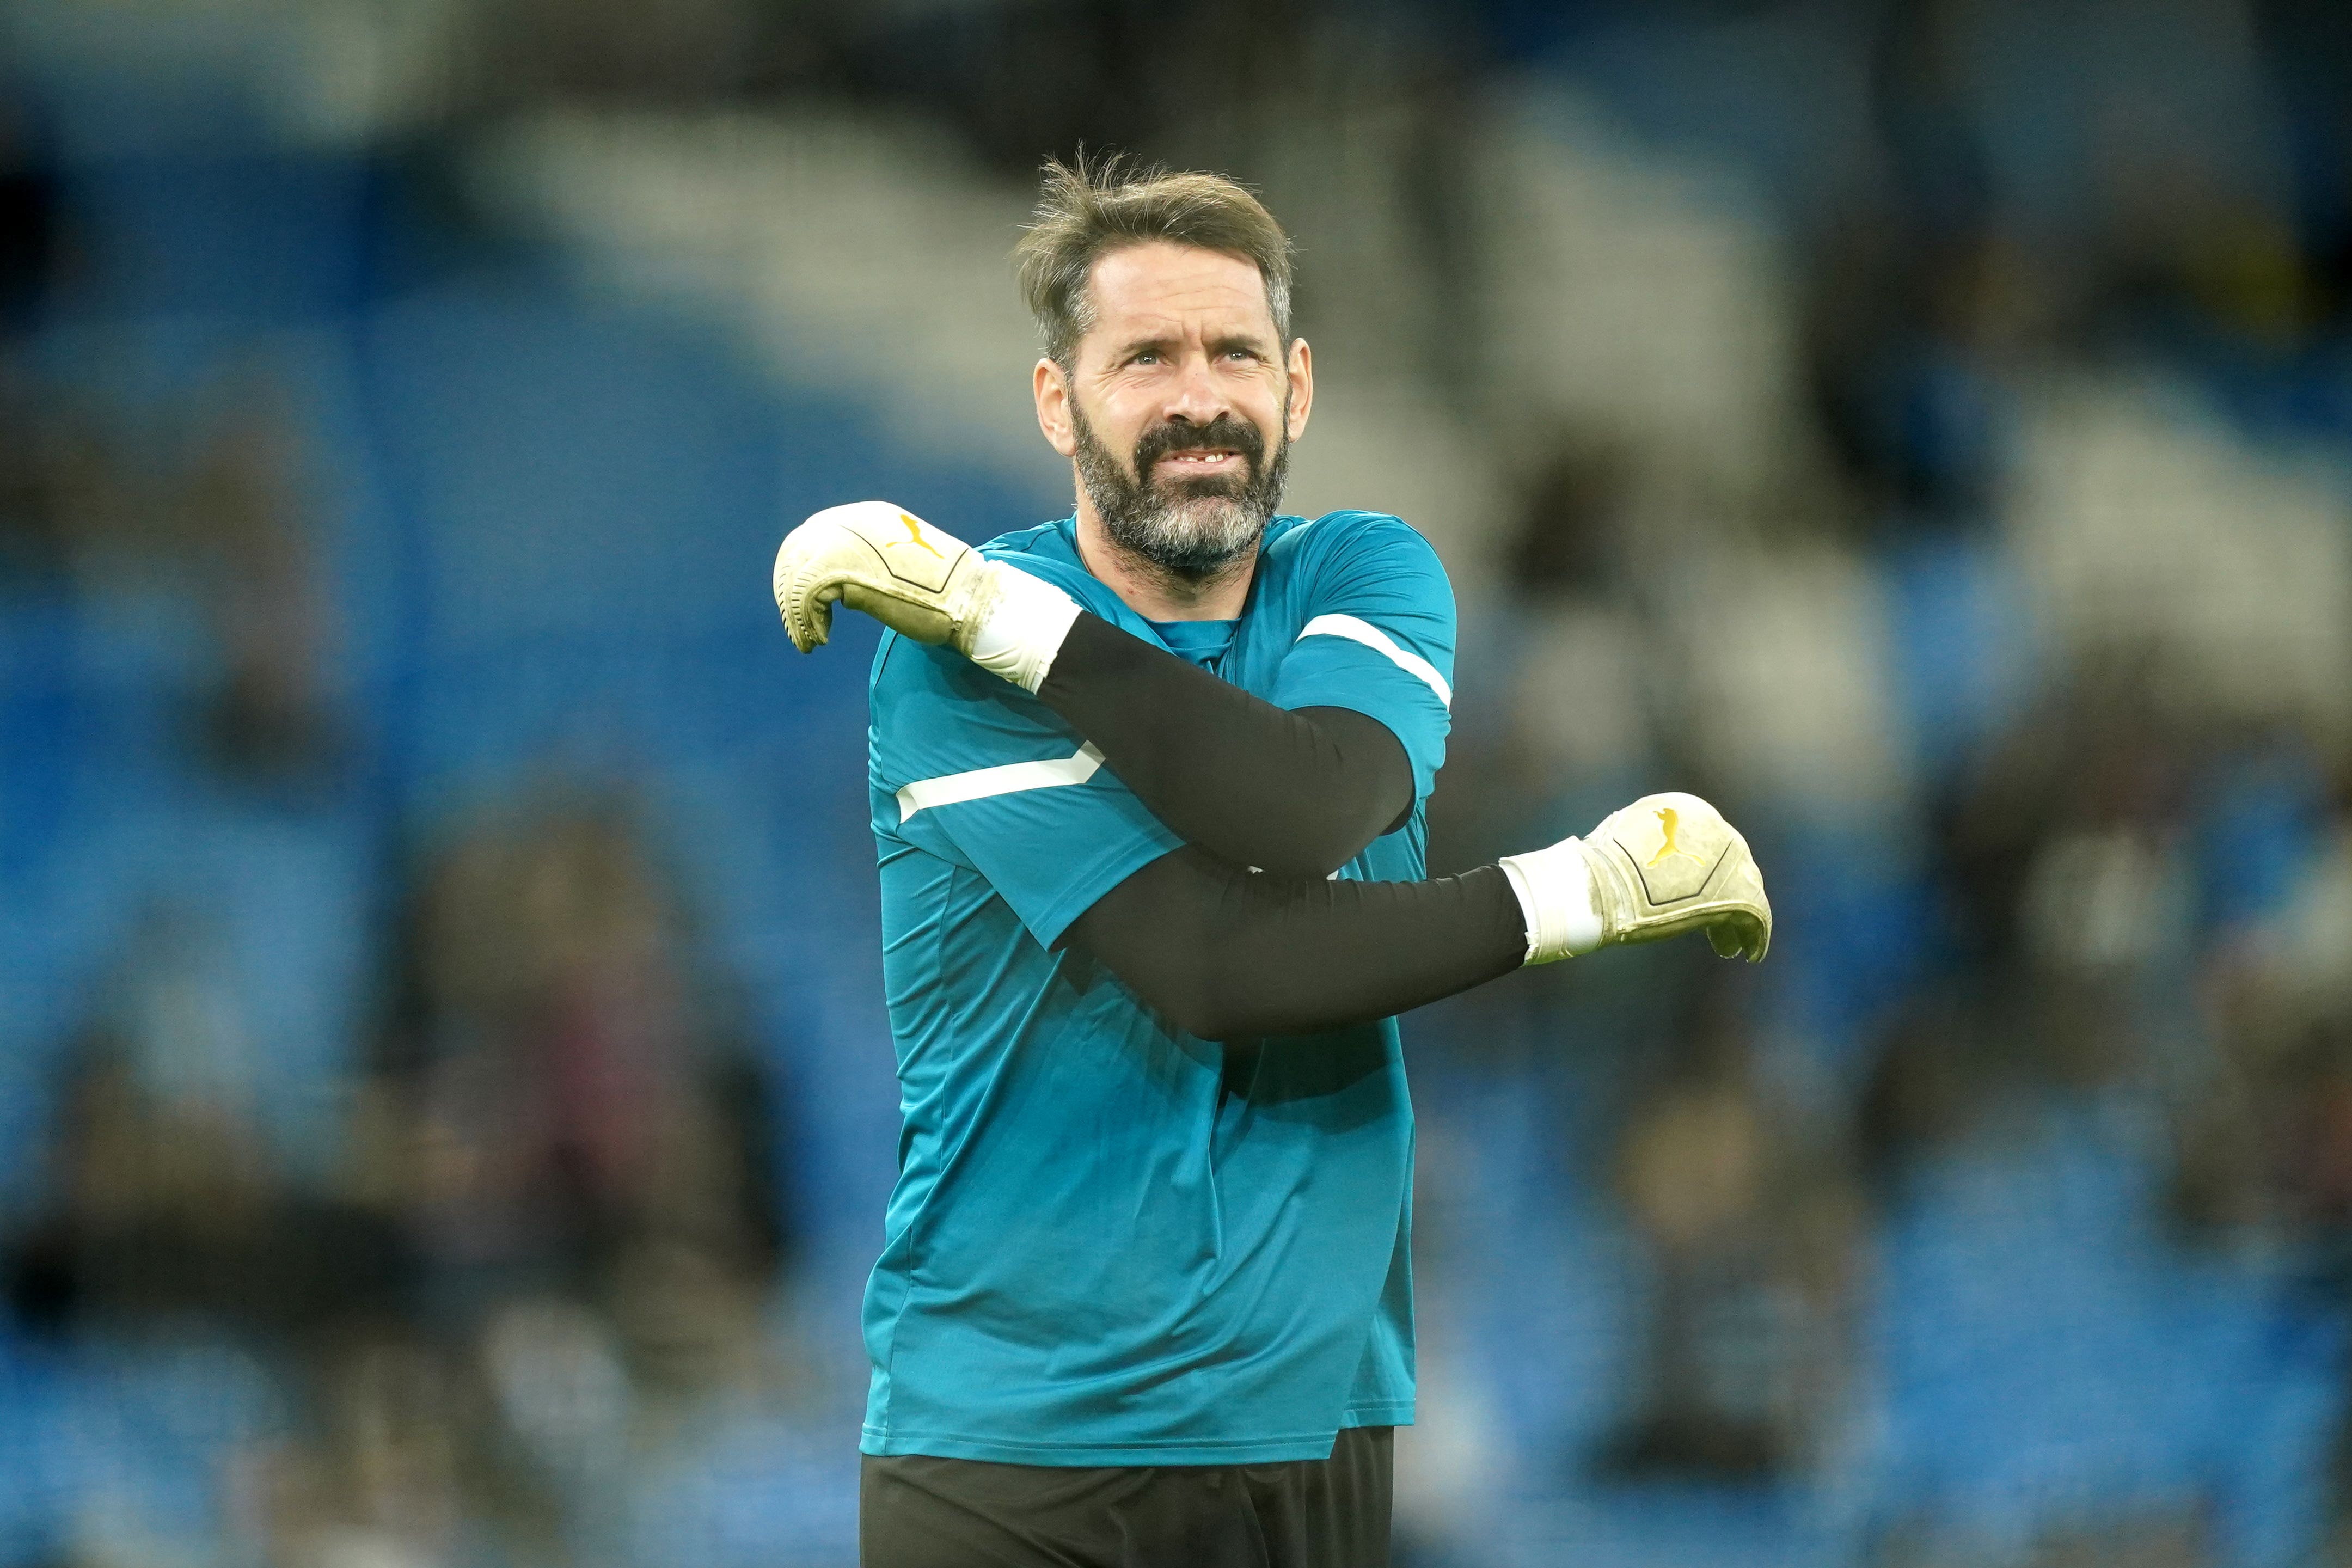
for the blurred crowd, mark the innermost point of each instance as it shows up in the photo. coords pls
(1973, 526)
(2025, 647)
(539, 1283)
(536, 1289)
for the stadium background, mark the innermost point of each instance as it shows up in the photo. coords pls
(445, 1099)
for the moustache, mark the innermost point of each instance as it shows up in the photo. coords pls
(1181, 436)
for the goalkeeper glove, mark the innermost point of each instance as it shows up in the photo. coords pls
(922, 583)
(1665, 864)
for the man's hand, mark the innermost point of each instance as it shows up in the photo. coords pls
(1665, 864)
(891, 564)
(922, 583)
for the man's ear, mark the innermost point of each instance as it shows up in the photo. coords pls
(1052, 390)
(1301, 369)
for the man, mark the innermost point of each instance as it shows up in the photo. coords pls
(1148, 787)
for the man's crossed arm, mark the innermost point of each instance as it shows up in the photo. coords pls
(1292, 793)
(1242, 933)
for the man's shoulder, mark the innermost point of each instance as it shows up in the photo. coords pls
(919, 691)
(923, 674)
(1346, 531)
(1347, 553)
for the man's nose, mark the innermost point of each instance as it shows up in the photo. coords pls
(1196, 397)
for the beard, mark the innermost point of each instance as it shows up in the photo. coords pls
(1191, 528)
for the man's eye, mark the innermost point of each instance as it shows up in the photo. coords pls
(1149, 356)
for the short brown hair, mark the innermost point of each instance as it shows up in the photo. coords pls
(1087, 211)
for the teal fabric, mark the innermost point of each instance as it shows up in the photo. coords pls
(1111, 1243)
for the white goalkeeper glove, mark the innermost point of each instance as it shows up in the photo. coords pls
(1665, 864)
(922, 583)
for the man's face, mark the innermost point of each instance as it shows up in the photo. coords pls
(1180, 406)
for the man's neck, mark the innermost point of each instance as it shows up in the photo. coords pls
(1151, 590)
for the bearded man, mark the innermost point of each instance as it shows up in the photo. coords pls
(1148, 785)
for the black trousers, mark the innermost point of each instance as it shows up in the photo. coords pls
(918, 1512)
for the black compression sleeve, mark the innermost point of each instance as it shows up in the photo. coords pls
(1297, 793)
(1225, 954)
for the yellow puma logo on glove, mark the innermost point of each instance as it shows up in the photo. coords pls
(1670, 821)
(915, 535)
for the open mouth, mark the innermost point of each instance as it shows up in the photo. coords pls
(1202, 460)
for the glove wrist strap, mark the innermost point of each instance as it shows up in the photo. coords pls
(1020, 630)
(1556, 899)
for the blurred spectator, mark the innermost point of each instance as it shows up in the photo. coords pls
(251, 542)
(67, 494)
(1753, 1237)
(1936, 1069)
(684, 53)
(1020, 82)
(31, 221)
(166, 1204)
(164, 1209)
(88, 507)
(556, 1078)
(395, 1472)
(2055, 845)
(1910, 338)
(1586, 673)
(2264, 1151)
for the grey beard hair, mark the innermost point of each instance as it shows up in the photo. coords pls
(1191, 529)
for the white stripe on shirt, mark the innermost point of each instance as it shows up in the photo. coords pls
(1007, 778)
(1371, 636)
